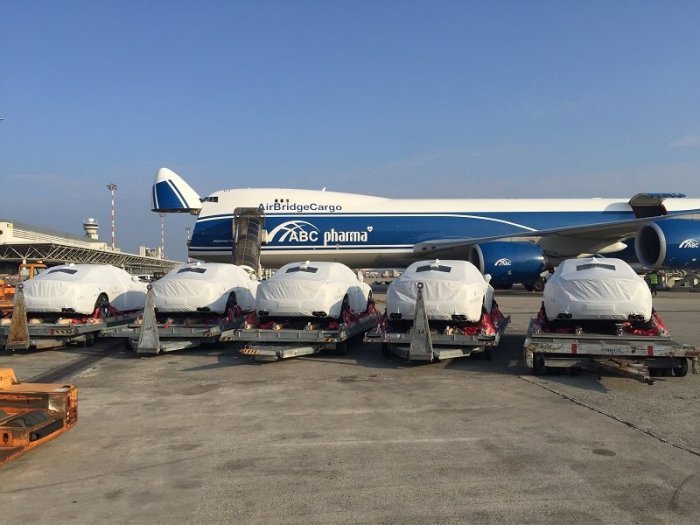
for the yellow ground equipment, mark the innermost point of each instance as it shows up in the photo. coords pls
(33, 413)
(7, 286)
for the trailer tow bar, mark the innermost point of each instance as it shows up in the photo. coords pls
(625, 367)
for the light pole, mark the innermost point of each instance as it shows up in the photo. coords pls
(187, 242)
(112, 188)
(162, 235)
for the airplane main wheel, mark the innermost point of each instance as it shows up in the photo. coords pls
(538, 285)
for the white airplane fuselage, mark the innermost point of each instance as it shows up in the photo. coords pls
(367, 231)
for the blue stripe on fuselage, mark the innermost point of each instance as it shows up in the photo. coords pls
(390, 229)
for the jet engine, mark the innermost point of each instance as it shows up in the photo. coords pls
(670, 243)
(509, 262)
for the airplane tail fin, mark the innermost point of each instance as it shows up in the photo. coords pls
(171, 194)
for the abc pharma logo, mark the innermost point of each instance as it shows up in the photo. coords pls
(295, 231)
(298, 231)
(689, 243)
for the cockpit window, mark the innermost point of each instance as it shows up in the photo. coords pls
(434, 268)
(589, 266)
(308, 269)
(69, 271)
(210, 199)
(193, 270)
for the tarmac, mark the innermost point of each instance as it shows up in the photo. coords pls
(210, 436)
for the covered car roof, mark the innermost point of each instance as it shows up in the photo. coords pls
(314, 271)
(449, 270)
(206, 272)
(81, 272)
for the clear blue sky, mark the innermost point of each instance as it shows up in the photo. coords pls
(394, 98)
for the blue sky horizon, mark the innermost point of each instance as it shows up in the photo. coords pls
(399, 99)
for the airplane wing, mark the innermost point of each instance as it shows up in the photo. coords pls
(572, 240)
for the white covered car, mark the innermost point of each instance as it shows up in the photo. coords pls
(205, 287)
(452, 291)
(597, 289)
(82, 288)
(312, 289)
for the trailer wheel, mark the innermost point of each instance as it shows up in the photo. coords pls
(386, 352)
(342, 348)
(682, 370)
(538, 367)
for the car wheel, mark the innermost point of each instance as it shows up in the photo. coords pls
(231, 303)
(344, 308)
(102, 306)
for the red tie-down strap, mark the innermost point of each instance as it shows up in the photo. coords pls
(371, 309)
(656, 326)
(350, 317)
(487, 325)
(233, 313)
(251, 320)
(95, 316)
(472, 329)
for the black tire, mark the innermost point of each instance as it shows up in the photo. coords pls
(344, 307)
(538, 285)
(386, 352)
(341, 348)
(538, 367)
(102, 304)
(682, 370)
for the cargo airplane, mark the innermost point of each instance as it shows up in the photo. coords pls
(514, 240)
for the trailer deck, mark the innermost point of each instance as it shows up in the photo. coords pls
(23, 333)
(422, 343)
(273, 344)
(147, 336)
(635, 356)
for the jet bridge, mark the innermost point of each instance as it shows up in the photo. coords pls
(248, 236)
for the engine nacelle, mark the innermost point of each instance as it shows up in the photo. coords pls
(508, 262)
(670, 243)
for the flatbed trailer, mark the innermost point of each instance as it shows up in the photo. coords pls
(636, 356)
(146, 336)
(273, 344)
(23, 333)
(421, 343)
(33, 413)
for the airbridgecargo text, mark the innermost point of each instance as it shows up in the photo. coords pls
(292, 206)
